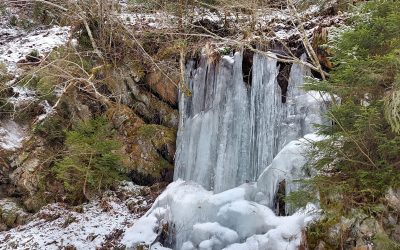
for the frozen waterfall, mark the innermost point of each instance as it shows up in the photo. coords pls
(230, 131)
(236, 143)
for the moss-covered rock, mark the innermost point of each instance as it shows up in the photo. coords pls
(150, 148)
(151, 152)
(124, 119)
(35, 202)
(25, 175)
(160, 137)
(11, 213)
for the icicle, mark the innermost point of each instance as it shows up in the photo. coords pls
(229, 131)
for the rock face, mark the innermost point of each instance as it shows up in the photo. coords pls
(146, 120)
(392, 220)
(139, 95)
(227, 124)
(151, 151)
(393, 198)
(141, 107)
(150, 147)
(164, 88)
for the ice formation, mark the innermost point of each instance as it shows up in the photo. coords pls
(201, 219)
(229, 131)
(286, 167)
(236, 143)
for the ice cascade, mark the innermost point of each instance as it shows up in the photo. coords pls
(229, 130)
(237, 142)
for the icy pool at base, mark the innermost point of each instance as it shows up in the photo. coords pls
(228, 220)
(238, 218)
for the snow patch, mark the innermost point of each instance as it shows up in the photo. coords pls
(145, 230)
(56, 226)
(22, 96)
(17, 43)
(12, 135)
(48, 111)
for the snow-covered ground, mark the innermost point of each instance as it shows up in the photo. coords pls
(16, 42)
(98, 223)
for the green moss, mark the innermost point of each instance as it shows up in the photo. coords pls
(383, 242)
(29, 81)
(13, 20)
(148, 131)
(319, 231)
(5, 92)
(164, 164)
(45, 88)
(33, 55)
(157, 134)
(42, 84)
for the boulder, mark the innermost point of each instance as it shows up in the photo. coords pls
(151, 151)
(25, 175)
(393, 199)
(11, 214)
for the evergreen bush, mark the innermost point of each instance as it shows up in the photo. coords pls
(91, 162)
(359, 161)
